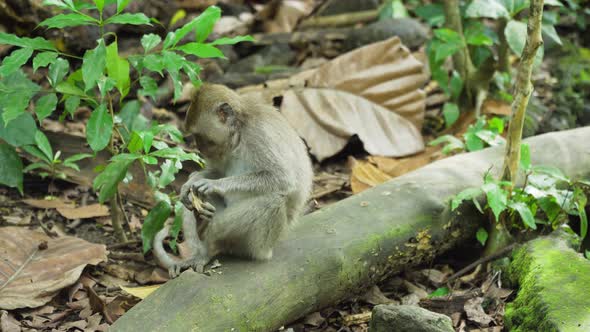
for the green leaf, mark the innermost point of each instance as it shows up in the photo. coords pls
(169, 169)
(202, 24)
(177, 224)
(153, 224)
(37, 43)
(550, 32)
(177, 85)
(122, 4)
(99, 128)
(11, 168)
(99, 4)
(154, 63)
(497, 198)
(149, 87)
(71, 105)
(16, 92)
(490, 137)
(473, 142)
(135, 143)
(172, 132)
(475, 34)
(58, 70)
(68, 88)
(442, 291)
(15, 60)
(482, 236)
(496, 125)
(58, 3)
(456, 86)
(77, 157)
(525, 156)
(202, 50)
(105, 84)
(35, 166)
(150, 41)
(45, 106)
(233, 40)
(172, 61)
(525, 214)
(148, 138)
(452, 143)
(68, 20)
(34, 151)
(553, 172)
(433, 13)
(129, 18)
(93, 65)
(583, 221)
(192, 70)
(107, 181)
(43, 59)
(515, 6)
(553, 3)
(118, 69)
(43, 144)
(179, 15)
(21, 130)
(450, 113)
(487, 8)
(516, 34)
(467, 194)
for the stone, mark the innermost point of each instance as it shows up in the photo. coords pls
(404, 318)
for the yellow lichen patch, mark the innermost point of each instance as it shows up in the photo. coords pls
(424, 240)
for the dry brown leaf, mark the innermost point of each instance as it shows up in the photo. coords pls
(83, 212)
(8, 323)
(285, 14)
(364, 176)
(48, 203)
(34, 275)
(141, 292)
(399, 166)
(475, 312)
(496, 107)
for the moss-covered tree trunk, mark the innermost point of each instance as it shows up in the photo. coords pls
(342, 249)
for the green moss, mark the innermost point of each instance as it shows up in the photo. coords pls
(554, 290)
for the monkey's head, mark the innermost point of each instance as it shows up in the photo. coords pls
(213, 120)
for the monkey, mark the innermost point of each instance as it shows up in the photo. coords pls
(256, 183)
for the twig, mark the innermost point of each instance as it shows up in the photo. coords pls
(340, 20)
(482, 260)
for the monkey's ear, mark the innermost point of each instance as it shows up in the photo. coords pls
(225, 112)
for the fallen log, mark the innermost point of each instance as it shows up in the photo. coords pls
(344, 247)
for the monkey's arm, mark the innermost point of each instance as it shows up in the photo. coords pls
(259, 182)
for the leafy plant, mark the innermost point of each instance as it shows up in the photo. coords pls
(478, 135)
(547, 198)
(472, 44)
(104, 84)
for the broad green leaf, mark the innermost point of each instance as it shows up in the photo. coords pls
(172, 61)
(36, 43)
(135, 143)
(179, 15)
(126, 157)
(516, 34)
(105, 84)
(192, 70)
(177, 83)
(450, 113)
(93, 65)
(122, 4)
(35, 166)
(58, 3)
(475, 34)
(550, 32)
(21, 130)
(11, 168)
(71, 105)
(202, 24)
(43, 59)
(128, 114)
(149, 87)
(525, 214)
(583, 220)
(150, 41)
(68, 88)
(467, 194)
(99, 4)
(77, 157)
(45, 106)
(153, 62)
(487, 8)
(172, 131)
(43, 144)
(129, 18)
(433, 13)
(201, 50)
(473, 142)
(515, 6)
(168, 171)
(36, 152)
(153, 224)
(99, 128)
(68, 20)
(482, 236)
(490, 137)
(496, 125)
(232, 41)
(553, 3)
(118, 69)
(15, 60)
(452, 143)
(553, 172)
(455, 86)
(525, 156)
(497, 198)
(107, 181)
(148, 138)
(57, 71)
(16, 91)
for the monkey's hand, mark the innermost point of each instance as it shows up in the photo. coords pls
(208, 187)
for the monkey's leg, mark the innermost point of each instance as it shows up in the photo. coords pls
(249, 228)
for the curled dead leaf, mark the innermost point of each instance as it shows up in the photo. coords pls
(30, 277)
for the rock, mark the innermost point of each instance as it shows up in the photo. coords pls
(554, 283)
(403, 318)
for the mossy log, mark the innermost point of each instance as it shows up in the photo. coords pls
(343, 248)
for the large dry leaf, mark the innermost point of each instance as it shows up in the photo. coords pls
(327, 118)
(48, 203)
(364, 176)
(373, 92)
(283, 15)
(30, 275)
(83, 212)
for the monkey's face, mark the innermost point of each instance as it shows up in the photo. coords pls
(210, 119)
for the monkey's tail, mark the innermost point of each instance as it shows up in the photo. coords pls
(166, 261)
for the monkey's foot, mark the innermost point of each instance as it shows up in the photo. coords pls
(197, 263)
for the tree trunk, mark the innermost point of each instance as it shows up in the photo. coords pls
(344, 248)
